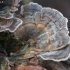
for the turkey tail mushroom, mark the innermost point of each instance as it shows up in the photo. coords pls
(9, 24)
(6, 6)
(7, 19)
(48, 28)
(58, 55)
(6, 16)
(30, 9)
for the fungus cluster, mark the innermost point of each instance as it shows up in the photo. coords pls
(7, 20)
(42, 30)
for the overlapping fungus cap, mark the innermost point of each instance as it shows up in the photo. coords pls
(5, 9)
(7, 19)
(30, 9)
(48, 27)
(6, 6)
(10, 24)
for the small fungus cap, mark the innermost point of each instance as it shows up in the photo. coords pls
(10, 24)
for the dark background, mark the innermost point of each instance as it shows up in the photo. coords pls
(61, 5)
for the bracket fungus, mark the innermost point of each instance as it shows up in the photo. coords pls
(7, 19)
(47, 27)
(4, 4)
(42, 30)
(9, 24)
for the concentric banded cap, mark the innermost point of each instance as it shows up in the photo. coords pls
(6, 6)
(6, 16)
(30, 9)
(48, 27)
(10, 25)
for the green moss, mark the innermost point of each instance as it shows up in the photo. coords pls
(9, 43)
